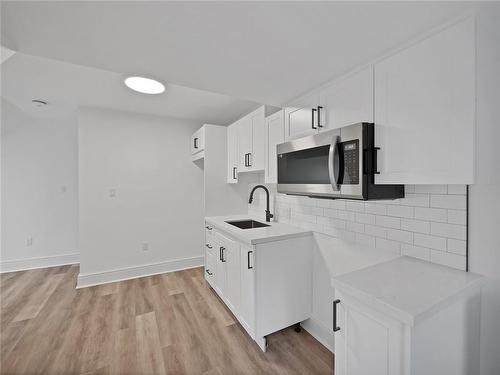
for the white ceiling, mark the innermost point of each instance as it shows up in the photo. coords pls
(66, 86)
(267, 52)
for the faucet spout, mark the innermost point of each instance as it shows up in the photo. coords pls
(250, 200)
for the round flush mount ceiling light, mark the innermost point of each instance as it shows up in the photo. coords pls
(144, 85)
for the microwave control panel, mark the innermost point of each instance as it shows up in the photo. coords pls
(350, 151)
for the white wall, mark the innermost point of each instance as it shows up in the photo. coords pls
(147, 162)
(39, 190)
(484, 204)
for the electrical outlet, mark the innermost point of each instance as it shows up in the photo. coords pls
(145, 246)
(29, 241)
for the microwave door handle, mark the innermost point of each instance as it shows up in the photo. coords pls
(331, 156)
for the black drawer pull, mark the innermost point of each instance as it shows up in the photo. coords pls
(222, 248)
(208, 245)
(209, 228)
(313, 111)
(234, 173)
(335, 303)
(208, 271)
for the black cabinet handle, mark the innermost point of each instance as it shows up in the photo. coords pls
(319, 116)
(208, 271)
(195, 142)
(248, 260)
(375, 167)
(234, 173)
(222, 254)
(313, 111)
(335, 303)
(246, 162)
(249, 162)
(209, 228)
(208, 245)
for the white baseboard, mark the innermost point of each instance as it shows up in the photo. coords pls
(91, 279)
(320, 332)
(43, 262)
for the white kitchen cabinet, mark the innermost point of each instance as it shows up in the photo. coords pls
(267, 286)
(348, 100)
(210, 260)
(407, 317)
(275, 134)
(247, 300)
(301, 116)
(232, 154)
(424, 110)
(367, 342)
(198, 141)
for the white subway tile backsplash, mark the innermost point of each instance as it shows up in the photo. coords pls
(429, 223)
(425, 240)
(400, 235)
(457, 217)
(457, 189)
(376, 209)
(355, 206)
(416, 200)
(448, 259)
(416, 251)
(431, 189)
(338, 204)
(400, 211)
(457, 202)
(419, 226)
(376, 231)
(458, 232)
(388, 222)
(365, 218)
(346, 215)
(457, 246)
(355, 227)
(431, 214)
(382, 243)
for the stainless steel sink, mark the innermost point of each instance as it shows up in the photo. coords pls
(247, 224)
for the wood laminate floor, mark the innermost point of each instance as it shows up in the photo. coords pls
(165, 324)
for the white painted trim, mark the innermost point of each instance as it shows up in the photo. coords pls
(43, 262)
(86, 280)
(320, 332)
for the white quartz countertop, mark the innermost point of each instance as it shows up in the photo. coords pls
(406, 288)
(274, 232)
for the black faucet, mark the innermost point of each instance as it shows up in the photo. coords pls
(268, 213)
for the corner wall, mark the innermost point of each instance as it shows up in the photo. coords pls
(140, 205)
(39, 190)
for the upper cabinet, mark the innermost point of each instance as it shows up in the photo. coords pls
(246, 145)
(198, 144)
(348, 100)
(424, 110)
(275, 134)
(301, 116)
(232, 154)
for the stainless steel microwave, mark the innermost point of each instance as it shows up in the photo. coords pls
(337, 163)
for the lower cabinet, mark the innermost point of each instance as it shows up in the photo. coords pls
(370, 342)
(266, 286)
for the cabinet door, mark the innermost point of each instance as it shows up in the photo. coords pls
(244, 143)
(258, 145)
(300, 117)
(198, 141)
(231, 257)
(424, 110)
(275, 134)
(247, 300)
(366, 342)
(220, 266)
(347, 101)
(232, 154)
